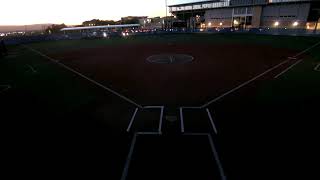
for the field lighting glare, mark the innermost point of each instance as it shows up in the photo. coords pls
(276, 23)
(209, 24)
(123, 34)
(235, 22)
(295, 23)
(104, 34)
(220, 24)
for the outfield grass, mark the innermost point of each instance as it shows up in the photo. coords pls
(65, 92)
(61, 90)
(299, 84)
(290, 42)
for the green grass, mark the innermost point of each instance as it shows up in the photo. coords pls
(299, 84)
(52, 84)
(66, 92)
(289, 42)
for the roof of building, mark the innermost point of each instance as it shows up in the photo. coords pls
(198, 2)
(101, 27)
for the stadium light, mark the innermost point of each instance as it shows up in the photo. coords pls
(220, 24)
(104, 34)
(295, 23)
(209, 24)
(235, 22)
(276, 23)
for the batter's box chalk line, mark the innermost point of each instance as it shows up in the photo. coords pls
(148, 107)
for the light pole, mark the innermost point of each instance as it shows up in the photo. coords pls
(166, 18)
(166, 1)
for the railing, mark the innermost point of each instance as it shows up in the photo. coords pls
(248, 2)
(200, 6)
(280, 1)
(267, 31)
(227, 3)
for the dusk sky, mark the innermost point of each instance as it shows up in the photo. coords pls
(22, 12)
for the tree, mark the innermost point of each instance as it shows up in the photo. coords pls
(129, 20)
(55, 28)
(98, 22)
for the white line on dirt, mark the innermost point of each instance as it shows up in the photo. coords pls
(317, 68)
(253, 79)
(85, 77)
(214, 151)
(290, 67)
(292, 58)
(161, 115)
(129, 157)
(152, 107)
(160, 121)
(306, 50)
(211, 121)
(216, 156)
(148, 133)
(243, 84)
(132, 119)
(126, 167)
(181, 120)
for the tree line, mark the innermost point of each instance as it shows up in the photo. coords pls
(55, 28)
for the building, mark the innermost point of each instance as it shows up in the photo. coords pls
(244, 14)
(99, 31)
(150, 22)
(134, 20)
(159, 22)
